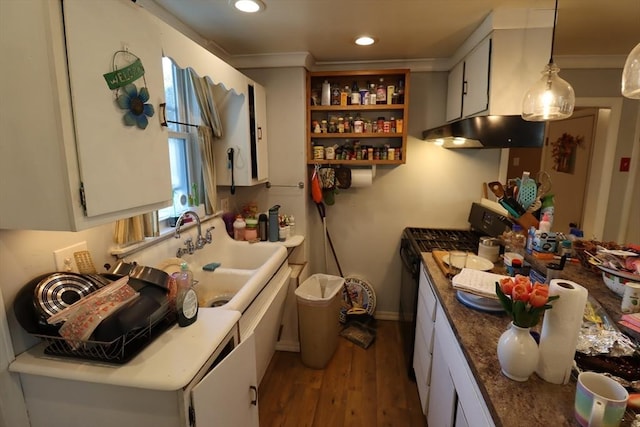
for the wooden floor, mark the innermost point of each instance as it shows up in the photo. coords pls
(357, 388)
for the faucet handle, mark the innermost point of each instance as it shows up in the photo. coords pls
(208, 236)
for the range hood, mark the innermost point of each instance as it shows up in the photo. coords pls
(488, 132)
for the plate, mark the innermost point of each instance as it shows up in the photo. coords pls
(623, 274)
(474, 262)
(479, 303)
(362, 295)
(170, 265)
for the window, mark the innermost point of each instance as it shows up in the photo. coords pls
(184, 154)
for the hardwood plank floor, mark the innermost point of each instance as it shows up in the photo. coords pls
(357, 388)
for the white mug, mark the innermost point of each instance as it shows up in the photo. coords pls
(631, 298)
(600, 401)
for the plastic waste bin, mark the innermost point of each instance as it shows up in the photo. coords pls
(319, 302)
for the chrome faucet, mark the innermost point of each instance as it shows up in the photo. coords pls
(200, 240)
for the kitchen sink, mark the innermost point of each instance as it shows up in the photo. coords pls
(236, 271)
(218, 288)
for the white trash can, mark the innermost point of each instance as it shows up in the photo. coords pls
(319, 302)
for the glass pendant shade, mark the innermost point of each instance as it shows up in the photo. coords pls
(631, 75)
(550, 98)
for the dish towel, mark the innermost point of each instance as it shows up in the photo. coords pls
(477, 282)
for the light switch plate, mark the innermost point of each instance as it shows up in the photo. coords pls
(64, 257)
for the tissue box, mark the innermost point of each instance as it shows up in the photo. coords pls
(545, 241)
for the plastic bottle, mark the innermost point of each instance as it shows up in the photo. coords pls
(292, 225)
(239, 225)
(186, 299)
(545, 224)
(547, 207)
(274, 224)
(530, 236)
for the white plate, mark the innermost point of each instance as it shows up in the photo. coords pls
(474, 262)
(170, 265)
(623, 274)
(479, 303)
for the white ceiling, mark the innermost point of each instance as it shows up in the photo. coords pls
(406, 29)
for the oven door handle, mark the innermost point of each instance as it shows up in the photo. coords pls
(410, 262)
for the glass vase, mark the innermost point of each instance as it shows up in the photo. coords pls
(517, 353)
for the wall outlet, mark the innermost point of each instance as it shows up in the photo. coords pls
(64, 257)
(224, 204)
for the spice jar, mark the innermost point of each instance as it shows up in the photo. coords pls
(380, 124)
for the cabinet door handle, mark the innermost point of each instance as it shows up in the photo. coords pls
(464, 87)
(254, 389)
(259, 133)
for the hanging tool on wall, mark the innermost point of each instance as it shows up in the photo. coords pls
(230, 166)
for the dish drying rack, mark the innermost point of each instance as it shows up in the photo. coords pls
(119, 351)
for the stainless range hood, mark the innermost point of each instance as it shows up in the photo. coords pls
(488, 132)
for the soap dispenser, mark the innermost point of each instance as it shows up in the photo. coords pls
(187, 299)
(274, 224)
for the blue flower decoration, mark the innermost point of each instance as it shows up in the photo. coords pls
(134, 101)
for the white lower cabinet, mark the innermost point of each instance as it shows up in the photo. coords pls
(461, 419)
(423, 347)
(228, 395)
(222, 394)
(448, 390)
(442, 402)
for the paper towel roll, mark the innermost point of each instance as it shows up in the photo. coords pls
(361, 177)
(560, 330)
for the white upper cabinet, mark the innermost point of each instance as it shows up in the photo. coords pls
(241, 104)
(62, 128)
(494, 75)
(469, 83)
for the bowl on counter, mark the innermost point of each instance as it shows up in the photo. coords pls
(616, 280)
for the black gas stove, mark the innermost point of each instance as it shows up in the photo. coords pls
(483, 221)
(429, 239)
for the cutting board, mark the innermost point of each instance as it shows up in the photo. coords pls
(438, 256)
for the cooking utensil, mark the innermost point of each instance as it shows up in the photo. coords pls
(151, 275)
(512, 206)
(527, 190)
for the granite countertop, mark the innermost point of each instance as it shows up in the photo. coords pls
(534, 402)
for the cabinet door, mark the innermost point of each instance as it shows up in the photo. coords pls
(121, 167)
(228, 395)
(461, 419)
(442, 402)
(455, 92)
(261, 156)
(476, 77)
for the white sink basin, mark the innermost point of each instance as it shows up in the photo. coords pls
(218, 288)
(245, 268)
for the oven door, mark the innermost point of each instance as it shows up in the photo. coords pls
(409, 276)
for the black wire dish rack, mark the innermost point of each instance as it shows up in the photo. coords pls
(118, 351)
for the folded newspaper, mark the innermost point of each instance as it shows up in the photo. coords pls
(477, 282)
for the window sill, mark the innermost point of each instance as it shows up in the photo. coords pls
(165, 233)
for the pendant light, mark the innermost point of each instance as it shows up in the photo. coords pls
(631, 75)
(550, 98)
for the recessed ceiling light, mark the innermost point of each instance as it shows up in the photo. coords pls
(249, 6)
(365, 41)
(439, 142)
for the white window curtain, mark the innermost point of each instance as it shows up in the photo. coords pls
(207, 133)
